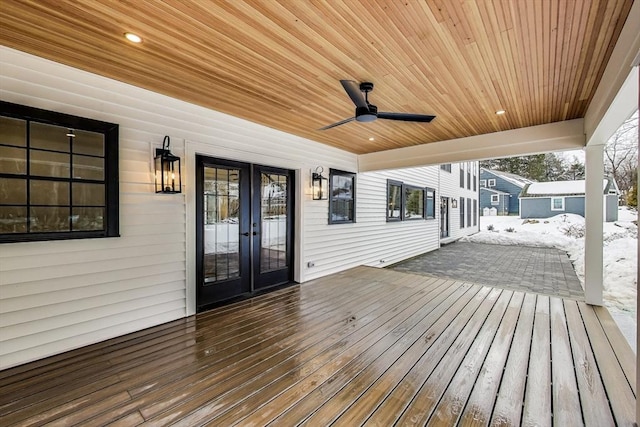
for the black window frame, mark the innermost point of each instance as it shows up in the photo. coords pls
(406, 187)
(446, 167)
(393, 183)
(461, 175)
(469, 211)
(352, 176)
(111, 171)
(468, 176)
(433, 204)
(462, 218)
(403, 201)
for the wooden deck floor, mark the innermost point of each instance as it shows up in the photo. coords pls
(363, 347)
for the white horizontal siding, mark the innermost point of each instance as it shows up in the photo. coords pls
(56, 296)
(371, 240)
(450, 187)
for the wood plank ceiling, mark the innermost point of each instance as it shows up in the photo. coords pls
(279, 63)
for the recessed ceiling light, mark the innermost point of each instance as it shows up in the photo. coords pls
(500, 112)
(371, 138)
(134, 38)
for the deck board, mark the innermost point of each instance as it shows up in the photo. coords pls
(538, 393)
(361, 347)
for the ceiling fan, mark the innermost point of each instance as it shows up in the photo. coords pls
(366, 112)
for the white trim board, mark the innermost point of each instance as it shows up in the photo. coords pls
(559, 136)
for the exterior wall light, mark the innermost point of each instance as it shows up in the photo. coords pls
(319, 184)
(454, 203)
(168, 172)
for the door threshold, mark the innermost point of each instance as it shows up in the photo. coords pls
(245, 296)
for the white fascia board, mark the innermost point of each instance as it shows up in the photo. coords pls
(558, 136)
(616, 97)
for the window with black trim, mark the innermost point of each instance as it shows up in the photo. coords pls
(461, 212)
(431, 203)
(58, 176)
(468, 176)
(461, 175)
(409, 202)
(414, 202)
(394, 200)
(469, 212)
(342, 200)
(446, 167)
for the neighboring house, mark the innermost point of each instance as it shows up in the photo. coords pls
(547, 199)
(134, 258)
(494, 202)
(496, 185)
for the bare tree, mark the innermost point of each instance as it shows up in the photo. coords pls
(621, 154)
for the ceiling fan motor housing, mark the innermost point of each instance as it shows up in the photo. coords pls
(366, 114)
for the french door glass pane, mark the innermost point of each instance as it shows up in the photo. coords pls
(273, 215)
(221, 227)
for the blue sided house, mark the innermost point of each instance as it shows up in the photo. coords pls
(499, 192)
(547, 199)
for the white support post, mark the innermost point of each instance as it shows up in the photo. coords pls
(593, 269)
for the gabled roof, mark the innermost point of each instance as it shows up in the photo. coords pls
(491, 190)
(518, 180)
(561, 188)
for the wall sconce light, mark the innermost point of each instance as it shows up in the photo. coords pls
(454, 203)
(168, 176)
(319, 184)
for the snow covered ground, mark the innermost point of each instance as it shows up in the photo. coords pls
(566, 232)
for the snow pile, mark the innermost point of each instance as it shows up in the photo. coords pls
(566, 232)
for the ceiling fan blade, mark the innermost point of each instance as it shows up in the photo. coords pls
(353, 90)
(341, 122)
(406, 117)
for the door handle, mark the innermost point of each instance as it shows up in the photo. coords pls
(245, 234)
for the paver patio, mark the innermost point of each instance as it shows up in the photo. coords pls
(541, 270)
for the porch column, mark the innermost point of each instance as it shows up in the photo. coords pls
(593, 270)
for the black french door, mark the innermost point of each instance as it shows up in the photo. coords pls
(244, 228)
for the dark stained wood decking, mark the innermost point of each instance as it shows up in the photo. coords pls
(362, 347)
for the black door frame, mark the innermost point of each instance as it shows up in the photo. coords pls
(222, 290)
(278, 277)
(251, 281)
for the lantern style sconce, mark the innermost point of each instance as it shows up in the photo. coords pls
(168, 177)
(454, 203)
(319, 184)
